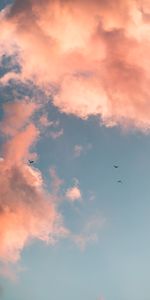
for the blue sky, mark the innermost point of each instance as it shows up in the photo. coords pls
(105, 253)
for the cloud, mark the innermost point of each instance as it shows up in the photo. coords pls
(56, 134)
(73, 193)
(48, 127)
(45, 122)
(56, 183)
(79, 149)
(82, 240)
(92, 56)
(92, 196)
(27, 210)
(17, 149)
(101, 298)
(10, 271)
(16, 115)
(29, 215)
(19, 131)
(90, 232)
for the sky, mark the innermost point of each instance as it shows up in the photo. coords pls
(74, 102)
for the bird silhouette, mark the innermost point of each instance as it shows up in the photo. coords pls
(31, 161)
(116, 166)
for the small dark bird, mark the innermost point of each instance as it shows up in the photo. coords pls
(31, 161)
(119, 181)
(116, 167)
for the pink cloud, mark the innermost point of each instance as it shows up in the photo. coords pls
(56, 134)
(95, 54)
(73, 193)
(45, 122)
(19, 130)
(29, 215)
(56, 183)
(16, 116)
(16, 150)
(27, 210)
(4, 80)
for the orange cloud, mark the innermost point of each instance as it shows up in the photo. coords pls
(93, 54)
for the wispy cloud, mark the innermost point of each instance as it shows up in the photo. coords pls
(56, 134)
(80, 149)
(56, 183)
(101, 298)
(10, 271)
(90, 232)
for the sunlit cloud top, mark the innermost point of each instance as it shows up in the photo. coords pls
(92, 56)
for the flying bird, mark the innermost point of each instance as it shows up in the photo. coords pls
(116, 166)
(31, 161)
(119, 181)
